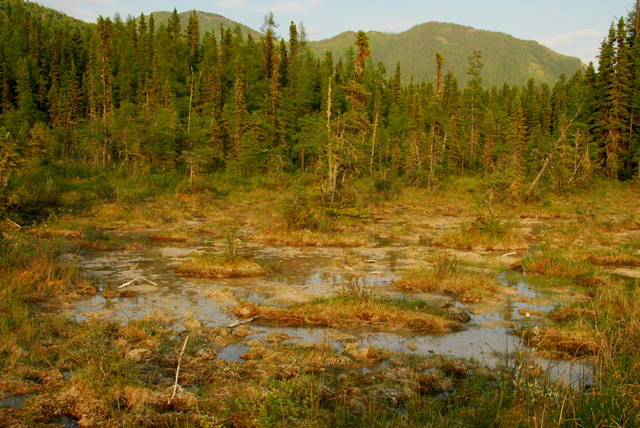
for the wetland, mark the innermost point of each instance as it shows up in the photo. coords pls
(423, 308)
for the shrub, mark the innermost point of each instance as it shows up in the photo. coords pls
(104, 191)
(301, 210)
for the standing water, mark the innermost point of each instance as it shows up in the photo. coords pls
(298, 275)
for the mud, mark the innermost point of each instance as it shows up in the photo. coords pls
(301, 274)
(14, 401)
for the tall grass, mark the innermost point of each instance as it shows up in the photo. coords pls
(614, 398)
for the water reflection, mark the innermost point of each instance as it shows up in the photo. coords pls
(298, 274)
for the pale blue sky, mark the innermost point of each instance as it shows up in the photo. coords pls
(570, 27)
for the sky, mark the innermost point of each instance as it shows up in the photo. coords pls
(570, 27)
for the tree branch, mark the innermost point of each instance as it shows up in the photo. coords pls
(553, 151)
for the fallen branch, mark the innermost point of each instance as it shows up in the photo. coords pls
(13, 222)
(247, 321)
(175, 386)
(126, 284)
(505, 255)
(553, 152)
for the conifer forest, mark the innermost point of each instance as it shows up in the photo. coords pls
(213, 226)
(134, 98)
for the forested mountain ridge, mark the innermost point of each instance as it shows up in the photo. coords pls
(42, 13)
(505, 58)
(210, 22)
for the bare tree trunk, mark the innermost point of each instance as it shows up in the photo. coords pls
(553, 151)
(431, 154)
(330, 153)
(373, 142)
(190, 103)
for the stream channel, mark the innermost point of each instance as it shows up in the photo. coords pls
(301, 273)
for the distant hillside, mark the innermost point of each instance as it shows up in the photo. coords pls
(46, 14)
(505, 58)
(208, 22)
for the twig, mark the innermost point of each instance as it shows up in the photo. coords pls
(175, 386)
(126, 284)
(505, 255)
(13, 222)
(247, 321)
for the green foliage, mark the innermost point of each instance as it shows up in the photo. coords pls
(387, 188)
(455, 43)
(209, 22)
(301, 209)
(123, 98)
(37, 191)
(233, 246)
(94, 234)
(355, 288)
(103, 190)
(445, 265)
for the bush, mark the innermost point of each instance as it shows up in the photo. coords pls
(34, 192)
(104, 191)
(300, 210)
(387, 188)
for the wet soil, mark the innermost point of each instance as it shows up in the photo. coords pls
(299, 274)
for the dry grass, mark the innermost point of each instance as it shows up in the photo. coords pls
(338, 313)
(568, 313)
(632, 259)
(561, 343)
(560, 263)
(81, 370)
(57, 233)
(444, 276)
(210, 267)
(467, 287)
(109, 245)
(471, 237)
(308, 238)
(170, 237)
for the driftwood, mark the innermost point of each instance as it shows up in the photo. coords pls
(505, 255)
(553, 152)
(13, 222)
(175, 385)
(126, 284)
(247, 321)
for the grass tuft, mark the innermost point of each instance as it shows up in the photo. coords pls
(446, 277)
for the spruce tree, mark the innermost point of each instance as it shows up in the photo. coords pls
(475, 85)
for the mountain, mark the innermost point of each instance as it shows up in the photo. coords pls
(506, 58)
(208, 22)
(45, 14)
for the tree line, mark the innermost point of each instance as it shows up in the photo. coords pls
(134, 97)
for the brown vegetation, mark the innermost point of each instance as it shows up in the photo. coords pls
(169, 237)
(210, 267)
(338, 313)
(555, 342)
(445, 277)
